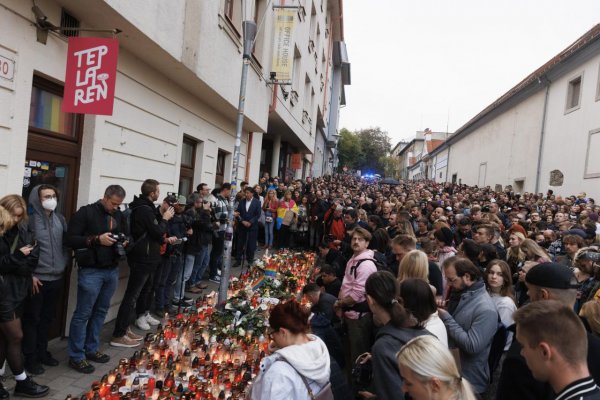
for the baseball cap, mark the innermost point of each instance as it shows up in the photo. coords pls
(552, 276)
(181, 199)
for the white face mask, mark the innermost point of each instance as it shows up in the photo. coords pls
(49, 204)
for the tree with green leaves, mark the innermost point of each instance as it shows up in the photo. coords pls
(364, 149)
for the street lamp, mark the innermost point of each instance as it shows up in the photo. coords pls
(249, 33)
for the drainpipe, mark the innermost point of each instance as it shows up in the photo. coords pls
(544, 79)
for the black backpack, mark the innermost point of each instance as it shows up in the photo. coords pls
(379, 264)
(497, 347)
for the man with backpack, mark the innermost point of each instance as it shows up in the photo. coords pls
(352, 302)
(148, 231)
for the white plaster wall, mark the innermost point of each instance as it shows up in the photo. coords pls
(438, 164)
(161, 21)
(567, 134)
(507, 145)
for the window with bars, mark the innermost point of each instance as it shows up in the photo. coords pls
(68, 21)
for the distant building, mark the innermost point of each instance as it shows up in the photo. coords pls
(412, 154)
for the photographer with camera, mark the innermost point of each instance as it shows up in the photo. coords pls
(180, 226)
(90, 234)
(148, 230)
(196, 249)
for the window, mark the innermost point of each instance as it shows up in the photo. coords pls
(233, 14)
(598, 86)
(574, 94)
(45, 114)
(220, 172)
(592, 155)
(186, 172)
(68, 21)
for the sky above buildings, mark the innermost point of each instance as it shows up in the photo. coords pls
(437, 63)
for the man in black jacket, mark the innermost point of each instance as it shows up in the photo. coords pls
(90, 235)
(547, 281)
(148, 231)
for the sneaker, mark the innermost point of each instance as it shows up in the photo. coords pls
(48, 360)
(98, 357)
(131, 335)
(28, 388)
(151, 320)
(142, 323)
(34, 368)
(3, 392)
(215, 279)
(187, 300)
(123, 341)
(82, 366)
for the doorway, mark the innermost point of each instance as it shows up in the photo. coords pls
(482, 174)
(53, 157)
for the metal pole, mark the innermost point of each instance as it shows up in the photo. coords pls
(249, 30)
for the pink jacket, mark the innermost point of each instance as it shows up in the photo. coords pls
(355, 286)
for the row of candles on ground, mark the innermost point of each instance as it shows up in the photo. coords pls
(186, 359)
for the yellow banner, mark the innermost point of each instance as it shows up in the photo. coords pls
(283, 44)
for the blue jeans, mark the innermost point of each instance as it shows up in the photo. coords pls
(95, 288)
(184, 276)
(200, 263)
(269, 233)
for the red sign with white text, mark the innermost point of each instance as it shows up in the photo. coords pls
(296, 161)
(91, 75)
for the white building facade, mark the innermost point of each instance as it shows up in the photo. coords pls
(176, 98)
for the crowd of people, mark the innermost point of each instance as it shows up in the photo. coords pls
(436, 291)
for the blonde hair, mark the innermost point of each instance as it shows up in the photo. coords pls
(530, 246)
(6, 221)
(428, 358)
(12, 202)
(591, 311)
(414, 265)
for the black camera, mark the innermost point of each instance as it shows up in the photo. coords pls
(485, 209)
(119, 248)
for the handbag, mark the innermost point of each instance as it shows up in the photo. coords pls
(288, 217)
(324, 394)
(362, 373)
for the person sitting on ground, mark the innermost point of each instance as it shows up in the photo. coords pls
(554, 344)
(329, 282)
(429, 372)
(321, 303)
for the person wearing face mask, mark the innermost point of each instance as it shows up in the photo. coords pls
(49, 228)
(90, 234)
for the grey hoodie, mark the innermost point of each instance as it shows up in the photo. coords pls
(49, 231)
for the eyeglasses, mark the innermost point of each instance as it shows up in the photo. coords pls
(270, 332)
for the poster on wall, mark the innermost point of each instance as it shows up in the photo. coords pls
(91, 75)
(296, 161)
(283, 50)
